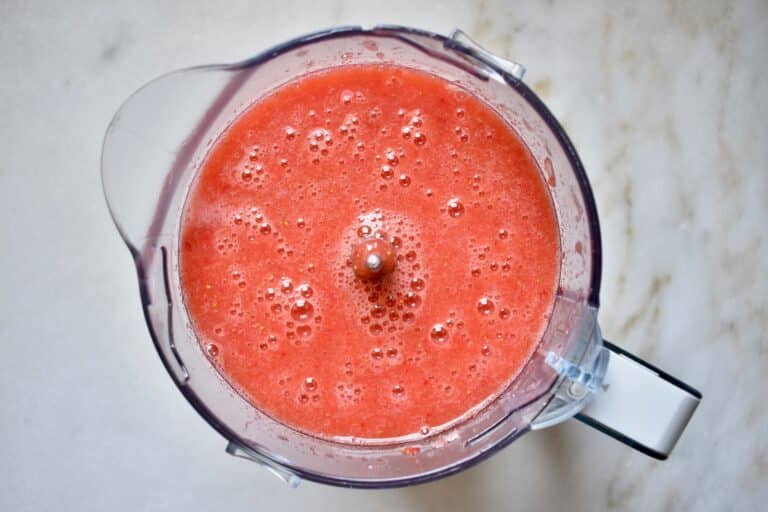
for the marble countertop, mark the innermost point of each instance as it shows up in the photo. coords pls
(667, 104)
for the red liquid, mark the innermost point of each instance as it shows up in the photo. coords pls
(296, 181)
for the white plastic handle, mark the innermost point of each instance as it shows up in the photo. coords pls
(640, 405)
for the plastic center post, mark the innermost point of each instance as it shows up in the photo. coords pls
(373, 258)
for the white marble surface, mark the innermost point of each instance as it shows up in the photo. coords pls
(667, 103)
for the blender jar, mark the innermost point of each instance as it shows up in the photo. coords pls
(152, 150)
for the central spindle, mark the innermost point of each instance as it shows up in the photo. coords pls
(373, 258)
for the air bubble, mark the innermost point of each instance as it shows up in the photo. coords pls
(404, 180)
(455, 208)
(378, 311)
(439, 333)
(387, 172)
(306, 291)
(310, 384)
(304, 331)
(317, 136)
(485, 306)
(412, 300)
(212, 350)
(302, 310)
(417, 284)
(398, 390)
(504, 313)
(286, 286)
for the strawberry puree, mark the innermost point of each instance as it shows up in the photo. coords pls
(393, 158)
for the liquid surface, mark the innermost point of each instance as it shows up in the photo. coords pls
(337, 157)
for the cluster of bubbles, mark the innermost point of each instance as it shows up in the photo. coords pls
(253, 222)
(226, 243)
(412, 130)
(349, 126)
(319, 140)
(252, 172)
(387, 305)
(348, 393)
(292, 304)
(307, 391)
(483, 262)
(287, 302)
(486, 306)
(388, 168)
